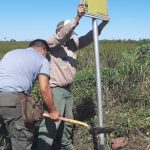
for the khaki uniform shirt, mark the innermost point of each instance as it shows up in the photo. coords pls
(63, 56)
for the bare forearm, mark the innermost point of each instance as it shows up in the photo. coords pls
(80, 12)
(48, 99)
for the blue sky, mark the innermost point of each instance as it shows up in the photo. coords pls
(31, 19)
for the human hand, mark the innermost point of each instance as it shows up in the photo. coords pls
(119, 143)
(81, 10)
(54, 115)
(107, 18)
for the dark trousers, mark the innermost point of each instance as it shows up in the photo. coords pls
(21, 134)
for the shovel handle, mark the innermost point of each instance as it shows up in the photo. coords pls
(46, 114)
(75, 122)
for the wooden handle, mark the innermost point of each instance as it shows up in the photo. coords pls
(74, 122)
(46, 114)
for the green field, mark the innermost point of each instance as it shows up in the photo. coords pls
(125, 71)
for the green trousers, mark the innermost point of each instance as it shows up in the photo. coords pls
(48, 129)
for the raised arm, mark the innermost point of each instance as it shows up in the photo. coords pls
(80, 12)
(66, 31)
(87, 39)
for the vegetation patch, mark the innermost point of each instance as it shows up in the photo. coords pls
(125, 72)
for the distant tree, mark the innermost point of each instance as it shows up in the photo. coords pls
(12, 40)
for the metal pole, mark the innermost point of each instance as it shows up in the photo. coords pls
(98, 84)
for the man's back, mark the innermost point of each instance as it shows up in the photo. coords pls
(19, 69)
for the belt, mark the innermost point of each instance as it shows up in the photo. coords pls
(19, 93)
(65, 86)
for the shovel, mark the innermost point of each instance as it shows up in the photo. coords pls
(92, 130)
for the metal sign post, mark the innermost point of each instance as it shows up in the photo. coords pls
(98, 84)
(97, 9)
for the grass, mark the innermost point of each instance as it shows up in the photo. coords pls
(125, 73)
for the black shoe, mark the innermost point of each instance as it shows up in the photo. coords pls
(68, 147)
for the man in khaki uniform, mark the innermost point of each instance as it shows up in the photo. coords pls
(63, 69)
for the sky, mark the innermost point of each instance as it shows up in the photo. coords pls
(30, 19)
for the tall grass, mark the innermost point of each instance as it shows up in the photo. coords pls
(6, 46)
(125, 72)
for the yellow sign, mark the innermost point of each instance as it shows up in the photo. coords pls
(96, 8)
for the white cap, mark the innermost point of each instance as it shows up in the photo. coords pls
(63, 23)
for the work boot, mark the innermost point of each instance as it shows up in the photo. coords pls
(68, 147)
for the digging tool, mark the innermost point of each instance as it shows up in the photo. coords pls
(92, 130)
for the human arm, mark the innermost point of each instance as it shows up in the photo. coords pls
(80, 13)
(46, 92)
(87, 39)
(47, 96)
(66, 31)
